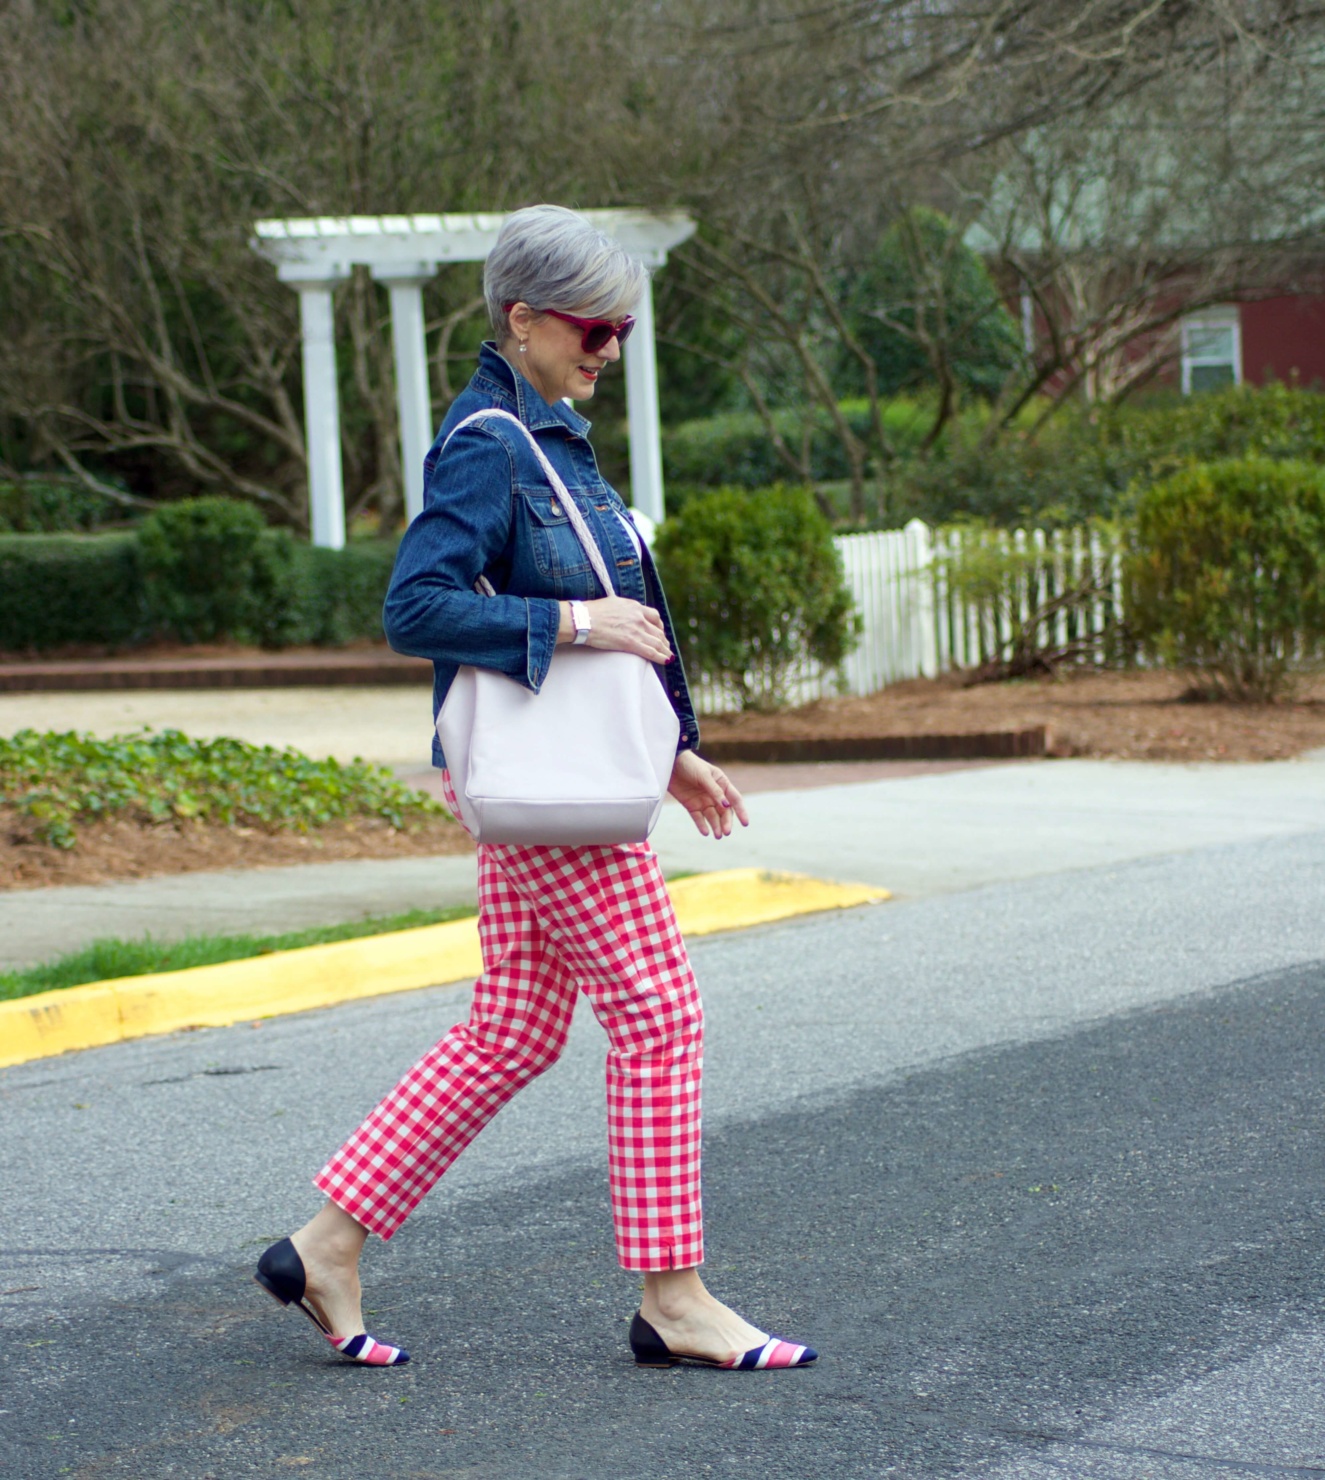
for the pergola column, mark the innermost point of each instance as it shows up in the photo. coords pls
(644, 419)
(313, 253)
(413, 395)
(326, 485)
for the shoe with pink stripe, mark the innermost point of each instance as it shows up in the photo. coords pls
(281, 1274)
(652, 1351)
(364, 1348)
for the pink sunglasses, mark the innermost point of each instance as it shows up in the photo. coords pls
(594, 333)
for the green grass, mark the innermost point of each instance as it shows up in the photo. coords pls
(104, 960)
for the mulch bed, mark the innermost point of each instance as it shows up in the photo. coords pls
(1132, 716)
(110, 852)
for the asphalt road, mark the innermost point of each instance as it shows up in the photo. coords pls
(1037, 1166)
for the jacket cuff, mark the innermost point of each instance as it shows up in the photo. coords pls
(544, 619)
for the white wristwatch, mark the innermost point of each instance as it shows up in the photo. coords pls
(579, 614)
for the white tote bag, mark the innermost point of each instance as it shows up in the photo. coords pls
(585, 760)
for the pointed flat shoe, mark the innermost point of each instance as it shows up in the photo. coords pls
(280, 1272)
(652, 1351)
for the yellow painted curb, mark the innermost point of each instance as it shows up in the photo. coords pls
(372, 966)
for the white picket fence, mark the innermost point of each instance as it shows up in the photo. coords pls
(915, 626)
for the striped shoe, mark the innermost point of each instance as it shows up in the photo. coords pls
(281, 1274)
(363, 1348)
(652, 1351)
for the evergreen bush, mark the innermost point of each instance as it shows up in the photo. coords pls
(63, 589)
(227, 578)
(1227, 574)
(331, 597)
(207, 571)
(756, 587)
(735, 449)
(1084, 463)
(50, 503)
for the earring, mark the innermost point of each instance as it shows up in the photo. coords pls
(523, 347)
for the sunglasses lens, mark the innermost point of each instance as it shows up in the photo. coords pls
(600, 331)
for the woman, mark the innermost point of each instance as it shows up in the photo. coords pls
(554, 921)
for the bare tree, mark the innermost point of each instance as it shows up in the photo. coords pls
(143, 340)
(1184, 195)
(836, 121)
(143, 343)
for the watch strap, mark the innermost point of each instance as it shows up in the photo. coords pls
(579, 615)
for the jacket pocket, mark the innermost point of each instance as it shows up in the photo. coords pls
(556, 546)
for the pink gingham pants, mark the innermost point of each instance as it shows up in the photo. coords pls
(554, 922)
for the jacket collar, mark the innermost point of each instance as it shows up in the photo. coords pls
(495, 374)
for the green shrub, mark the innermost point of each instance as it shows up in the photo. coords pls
(1087, 462)
(207, 571)
(735, 449)
(1228, 573)
(50, 503)
(756, 585)
(61, 780)
(1083, 464)
(334, 596)
(89, 590)
(62, 589)
(1276, 421)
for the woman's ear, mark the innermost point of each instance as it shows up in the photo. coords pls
(521, 319)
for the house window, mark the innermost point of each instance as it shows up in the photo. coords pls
(1211, 350)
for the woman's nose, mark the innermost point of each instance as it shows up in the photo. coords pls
(612, 349)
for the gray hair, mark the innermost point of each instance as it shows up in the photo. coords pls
(549, 257)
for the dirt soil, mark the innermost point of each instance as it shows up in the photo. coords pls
(109, 852)
(1136, 716)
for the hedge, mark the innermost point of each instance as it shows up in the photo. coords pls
(64, 588)
(90, 591)
(735, 449)
(1084, 463)
(1091, 462)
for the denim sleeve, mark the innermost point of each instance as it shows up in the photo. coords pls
(432, 610)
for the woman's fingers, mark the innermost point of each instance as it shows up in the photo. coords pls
(735, 802)
(707, 794)
(625, 626)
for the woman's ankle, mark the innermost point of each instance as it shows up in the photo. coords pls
(673, 1294)
(333, 1235)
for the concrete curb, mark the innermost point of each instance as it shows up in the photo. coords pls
(106, 1012)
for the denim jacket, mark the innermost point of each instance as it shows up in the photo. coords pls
(488, 510)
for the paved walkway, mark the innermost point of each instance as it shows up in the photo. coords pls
(391, 725)
(935, 832)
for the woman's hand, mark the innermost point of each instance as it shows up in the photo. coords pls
(621, 626)
(707, 794)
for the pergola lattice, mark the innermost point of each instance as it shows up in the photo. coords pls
(314, 254)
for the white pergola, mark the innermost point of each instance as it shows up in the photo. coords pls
(313, 254)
